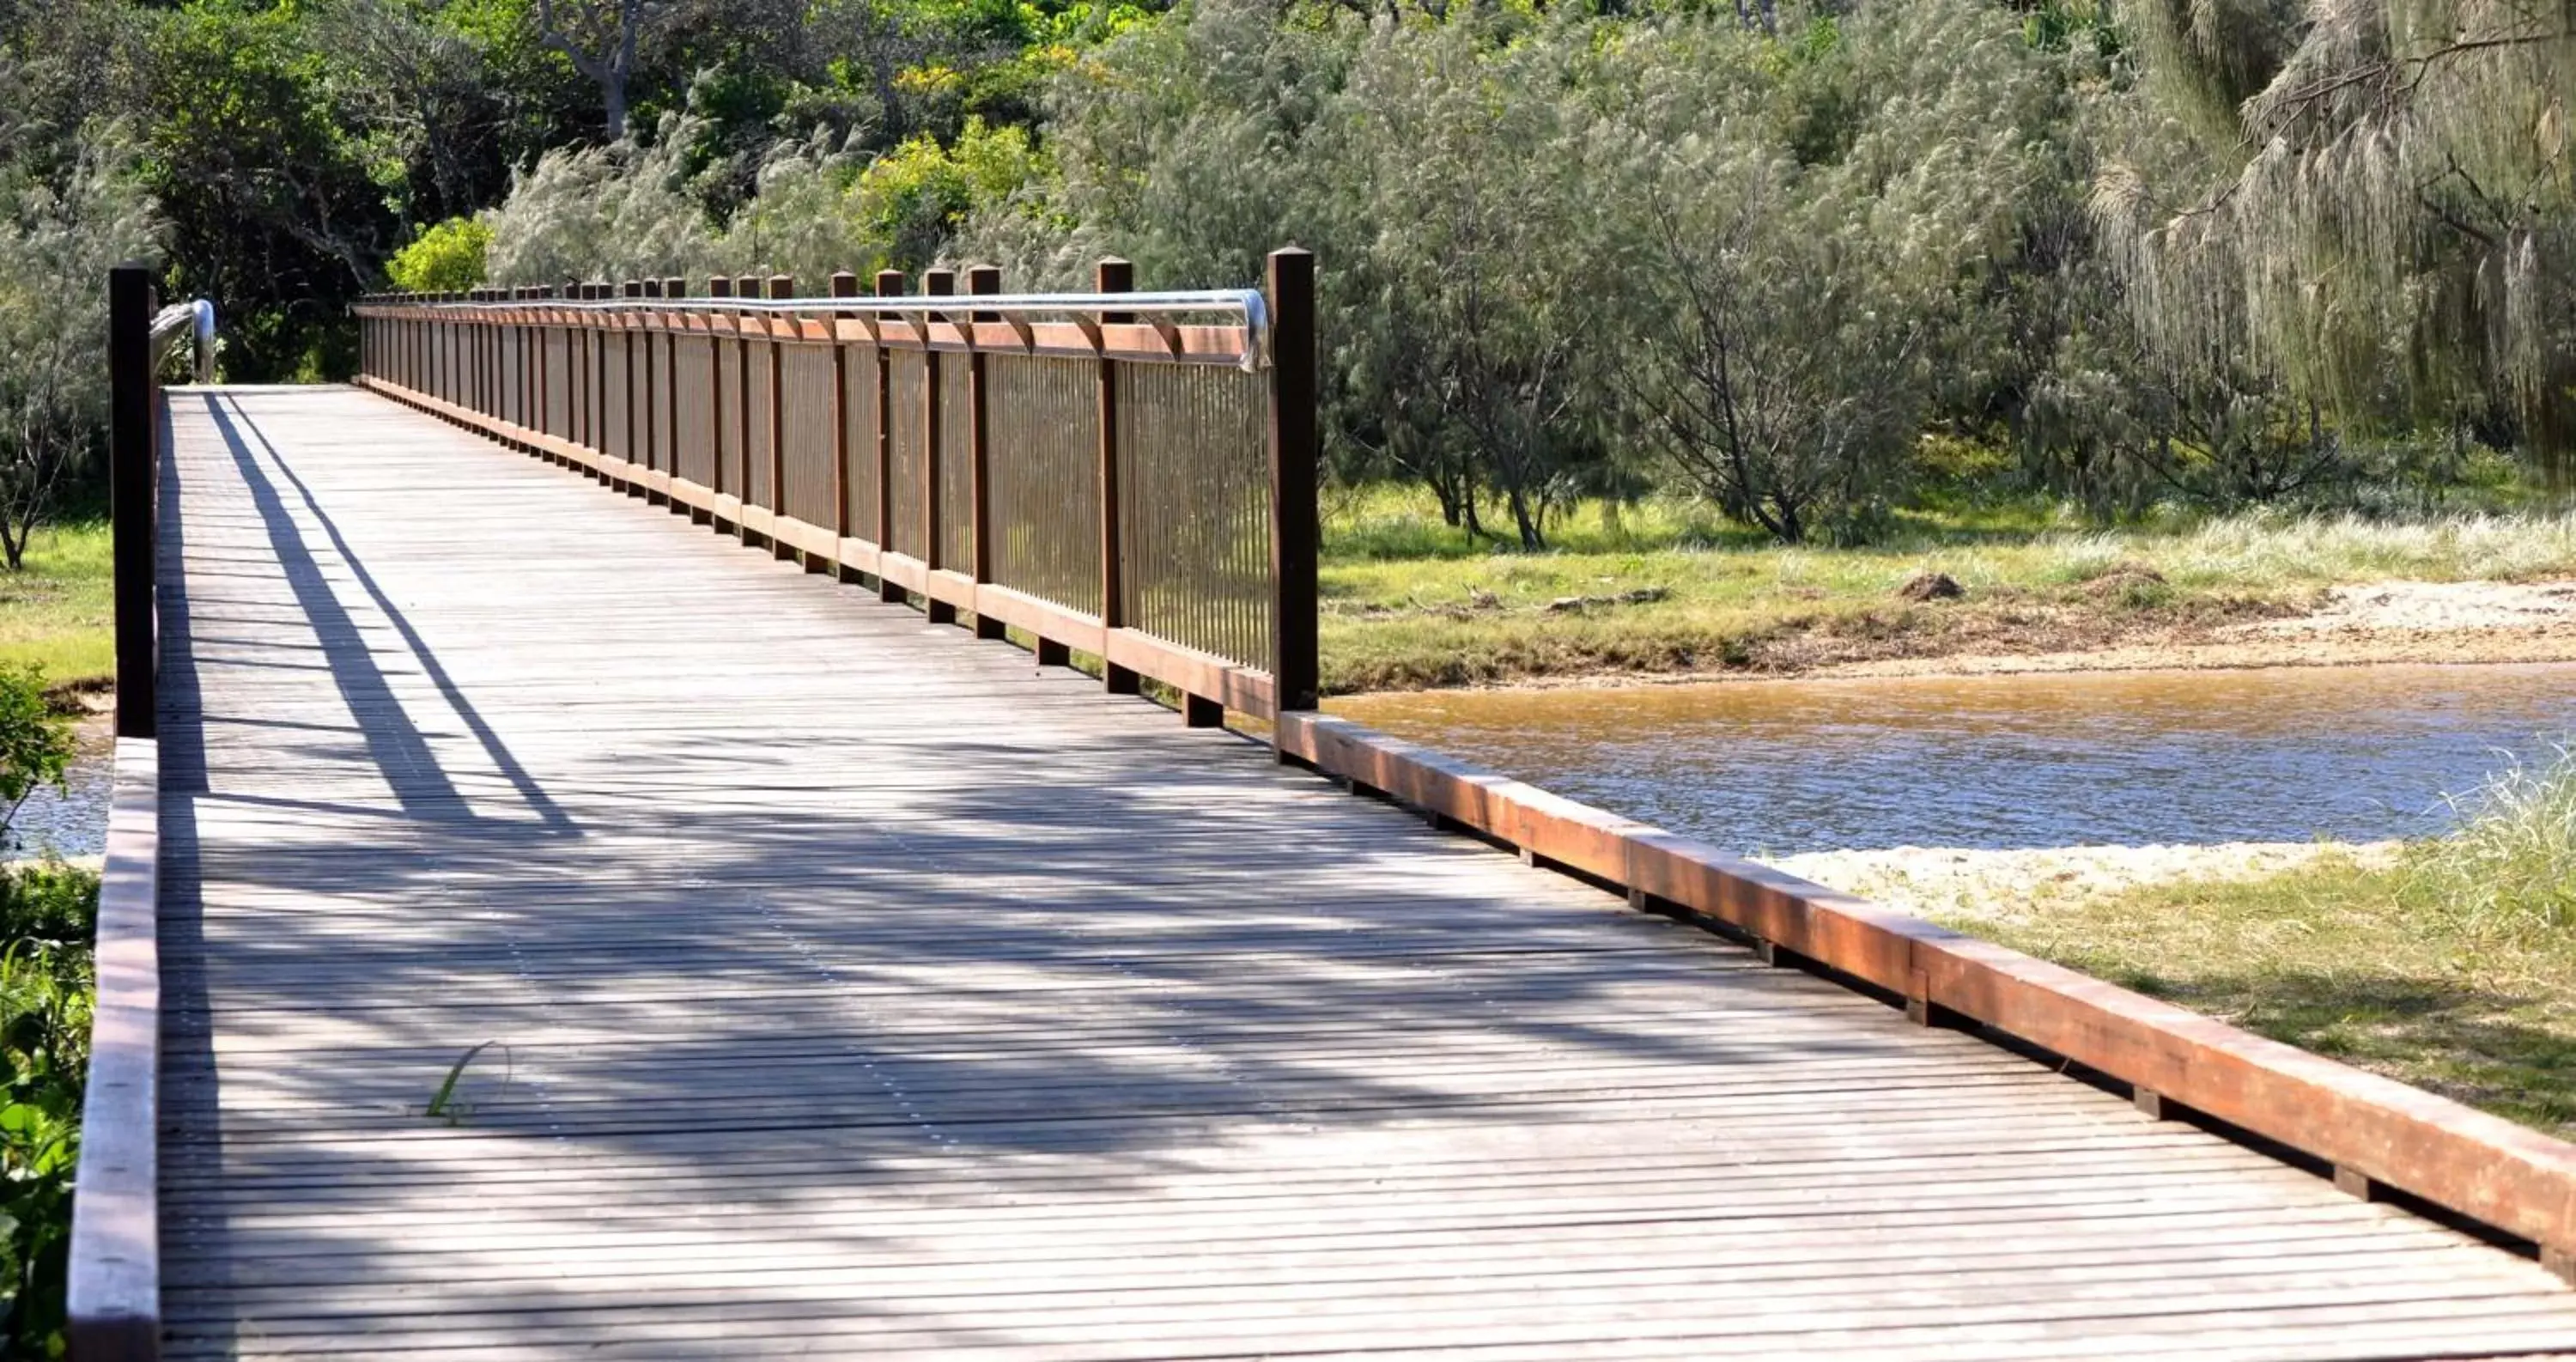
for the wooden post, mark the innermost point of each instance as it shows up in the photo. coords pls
(1294, 669)
(748, 286)
(133, 466)
(780, 286)
(889, 285)
(979, 517)
(673, 287)
(934, 284)
(1112, 276)
(638, 338)
(527, 385)
(844, 285)
(717, 287)
(575, 341)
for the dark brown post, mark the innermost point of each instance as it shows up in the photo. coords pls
(133, 464)
(632, 288)
(934, 284)
(889, 285)
(1112, 276)
(717, 287)
(781, 286)
(979, 510)
(574, 340)
(1294, 671)
(844, 285)
(747, 286)
(673, 287)
(637, 339)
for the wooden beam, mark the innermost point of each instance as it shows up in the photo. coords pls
(113, 1294)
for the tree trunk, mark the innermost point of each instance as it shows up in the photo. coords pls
(612, 94)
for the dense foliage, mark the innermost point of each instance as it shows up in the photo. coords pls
(1805, 261)
(47, 917)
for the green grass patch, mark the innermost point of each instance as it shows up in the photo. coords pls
(59, 612)
(2452, 968)
(1662, 586)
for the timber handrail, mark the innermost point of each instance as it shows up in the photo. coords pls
(113, 1291)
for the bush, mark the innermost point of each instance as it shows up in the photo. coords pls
(48, 920)
(447, 258)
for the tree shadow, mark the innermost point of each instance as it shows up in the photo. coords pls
(853, 984)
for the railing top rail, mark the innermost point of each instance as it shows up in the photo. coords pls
(197, 318)
(1247, 303)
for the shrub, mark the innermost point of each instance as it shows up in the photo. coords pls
(446, 258)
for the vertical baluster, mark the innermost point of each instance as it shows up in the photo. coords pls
(1112, 276)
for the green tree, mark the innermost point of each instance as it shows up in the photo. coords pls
(62, 225)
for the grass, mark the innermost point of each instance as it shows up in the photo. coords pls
(59, 613)
(1661, 587)
(2452, 967)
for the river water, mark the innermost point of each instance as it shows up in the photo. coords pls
(71, 821)
(1781, 767)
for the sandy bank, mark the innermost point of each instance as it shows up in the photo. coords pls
(1939, 882)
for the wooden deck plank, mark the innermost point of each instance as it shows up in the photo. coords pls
(861, 989)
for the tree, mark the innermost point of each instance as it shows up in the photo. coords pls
(1799, 228)
(1486, 330)
(599, 37)
(60, 232)
(2369, 200)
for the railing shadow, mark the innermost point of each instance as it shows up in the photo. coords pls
(908, 972)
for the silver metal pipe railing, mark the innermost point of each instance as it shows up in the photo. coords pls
(1246, 303)
(197, 318)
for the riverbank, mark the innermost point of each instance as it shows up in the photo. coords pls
(1656, 604)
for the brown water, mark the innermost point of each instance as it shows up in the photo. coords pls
(2124, 758)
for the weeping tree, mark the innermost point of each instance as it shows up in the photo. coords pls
(2369, 200)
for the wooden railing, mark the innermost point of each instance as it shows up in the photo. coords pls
(113, 1291)
(1109, 472)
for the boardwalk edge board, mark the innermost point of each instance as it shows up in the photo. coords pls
(114, 1295)
(2371, 1130)
(2484, 1167)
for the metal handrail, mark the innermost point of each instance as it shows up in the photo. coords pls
(1249, 303)
(198, 317)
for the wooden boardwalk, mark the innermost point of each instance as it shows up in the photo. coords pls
(855, 988)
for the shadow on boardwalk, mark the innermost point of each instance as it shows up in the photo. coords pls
(852, 986)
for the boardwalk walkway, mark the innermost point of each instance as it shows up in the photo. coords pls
(854, 988)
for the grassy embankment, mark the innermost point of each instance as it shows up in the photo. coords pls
(2452, 968)
(1409, 602)
(59, 614)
